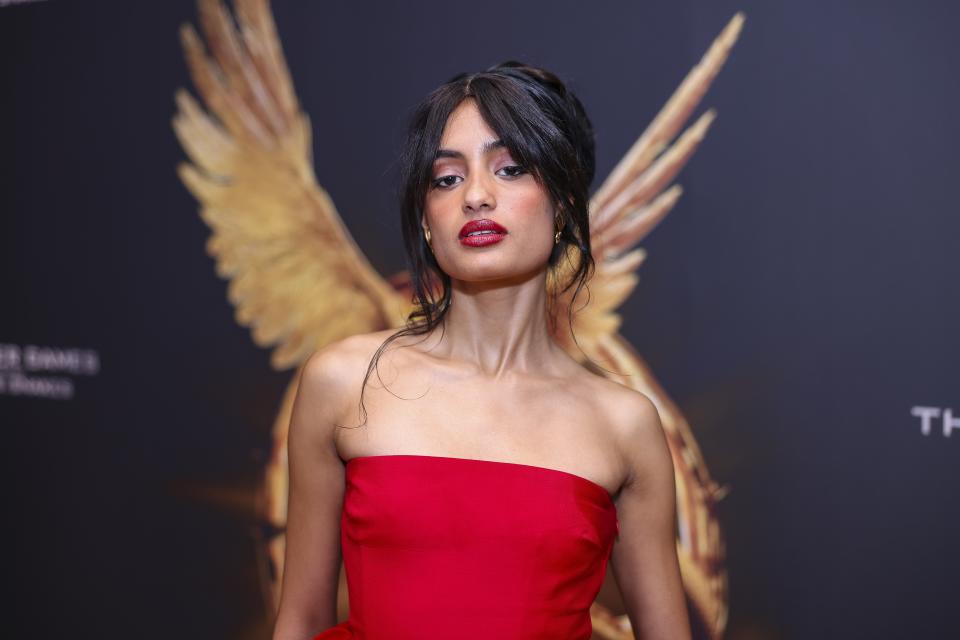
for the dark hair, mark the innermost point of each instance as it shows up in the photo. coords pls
(545, 128)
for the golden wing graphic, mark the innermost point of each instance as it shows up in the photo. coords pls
(627, 206)
(298, 280)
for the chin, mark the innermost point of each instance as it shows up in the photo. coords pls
(506, 272)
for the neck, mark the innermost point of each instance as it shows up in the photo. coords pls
(500, 326)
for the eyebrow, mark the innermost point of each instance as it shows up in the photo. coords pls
(486, 148)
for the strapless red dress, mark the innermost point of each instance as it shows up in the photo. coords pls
(439, 548)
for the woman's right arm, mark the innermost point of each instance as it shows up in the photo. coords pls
(308, 595)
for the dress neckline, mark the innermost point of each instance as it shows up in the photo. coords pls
(594, 486)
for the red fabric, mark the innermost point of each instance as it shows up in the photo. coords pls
(441, 548)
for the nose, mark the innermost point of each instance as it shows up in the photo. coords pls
(478, 194)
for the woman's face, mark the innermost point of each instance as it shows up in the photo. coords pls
(489, 219)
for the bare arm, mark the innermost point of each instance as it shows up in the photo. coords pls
(312, 558)
(644, 558)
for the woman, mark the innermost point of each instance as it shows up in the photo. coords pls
(485, 479)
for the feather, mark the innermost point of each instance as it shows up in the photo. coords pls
(297, 278)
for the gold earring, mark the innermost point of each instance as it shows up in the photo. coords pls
(556, 236)
(426, 234)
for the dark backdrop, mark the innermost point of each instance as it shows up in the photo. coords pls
(799, 302)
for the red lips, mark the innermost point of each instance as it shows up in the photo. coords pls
(482, 232)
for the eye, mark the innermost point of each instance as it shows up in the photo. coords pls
(444, 182)
(512, 171)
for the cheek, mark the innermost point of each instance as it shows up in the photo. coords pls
(440, 209)
(534, 210)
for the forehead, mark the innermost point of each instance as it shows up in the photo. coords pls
(466, 130)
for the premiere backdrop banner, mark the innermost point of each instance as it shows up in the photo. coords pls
(794, 316)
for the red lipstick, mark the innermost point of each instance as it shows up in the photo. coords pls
(482, 232)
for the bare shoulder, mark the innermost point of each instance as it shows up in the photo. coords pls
(628, 412)
(635, 426)
(344, 362)
(333, 375)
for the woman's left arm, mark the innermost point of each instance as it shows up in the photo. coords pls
(644, 558)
